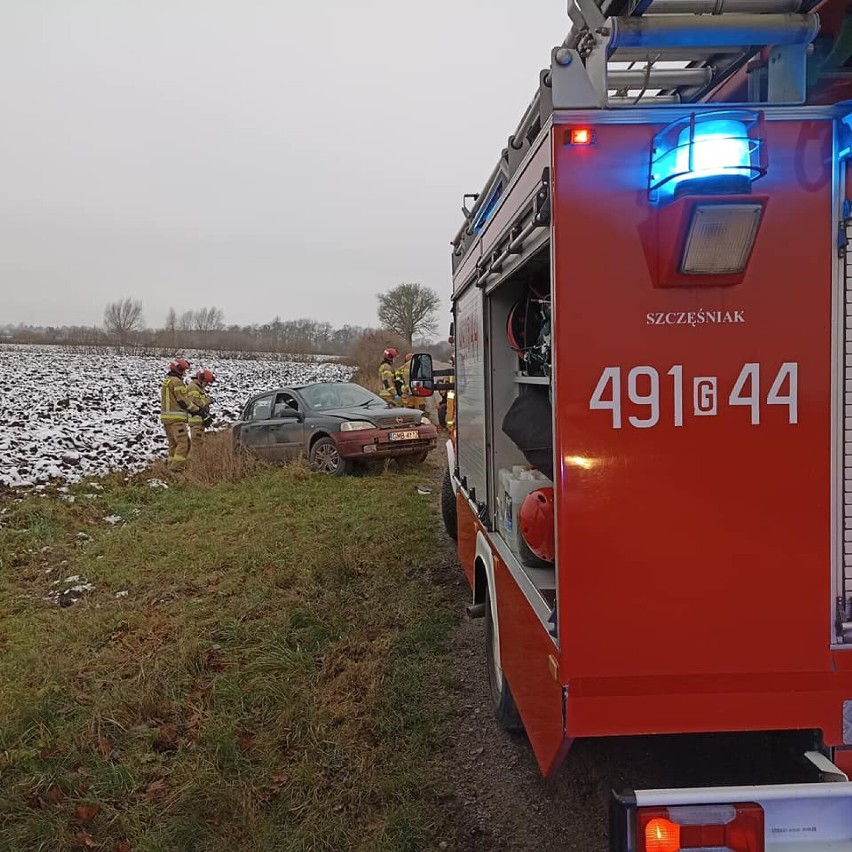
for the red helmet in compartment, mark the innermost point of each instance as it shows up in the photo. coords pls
(536, 523)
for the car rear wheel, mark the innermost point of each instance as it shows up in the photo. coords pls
(325, 458)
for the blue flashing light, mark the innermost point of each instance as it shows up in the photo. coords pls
(714, 153)
(488, 208)
(717, 148)
(844, 137)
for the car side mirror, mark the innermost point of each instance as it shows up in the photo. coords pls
(421, 379)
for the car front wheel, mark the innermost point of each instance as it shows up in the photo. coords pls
(325, 458)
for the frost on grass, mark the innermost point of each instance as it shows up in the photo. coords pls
(105, 415)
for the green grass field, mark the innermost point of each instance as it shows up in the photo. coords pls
(266, 682)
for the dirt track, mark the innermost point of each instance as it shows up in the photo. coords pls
(494, 791)
(494, 797)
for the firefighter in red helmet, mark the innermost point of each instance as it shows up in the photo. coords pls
(197, 392)
(391, 385)
(175, 409)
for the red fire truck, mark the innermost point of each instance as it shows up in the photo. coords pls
(653, 437)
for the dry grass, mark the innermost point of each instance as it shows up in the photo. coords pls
(254, 669)
(367, 354)
(215, 460)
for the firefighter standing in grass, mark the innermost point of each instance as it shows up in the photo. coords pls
(175, 408)
(390, 383)
(197, 392)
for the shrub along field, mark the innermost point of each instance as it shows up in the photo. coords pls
(243, 660)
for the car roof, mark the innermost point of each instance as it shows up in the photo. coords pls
(286, 388)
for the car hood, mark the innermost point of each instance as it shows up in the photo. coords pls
(384, 418)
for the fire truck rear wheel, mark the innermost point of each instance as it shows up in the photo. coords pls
(449, 511)
(501, 696)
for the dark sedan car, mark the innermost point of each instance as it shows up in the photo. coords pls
(334, 424)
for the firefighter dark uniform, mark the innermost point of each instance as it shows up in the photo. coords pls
(196, 392)
(390, 383)
(175, 408)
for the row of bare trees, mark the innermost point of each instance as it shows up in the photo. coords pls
(406, 312)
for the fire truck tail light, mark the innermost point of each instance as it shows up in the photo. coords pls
(720, 238)
(703, 828)
(662, 835)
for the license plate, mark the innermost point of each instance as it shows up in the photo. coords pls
(404, 436)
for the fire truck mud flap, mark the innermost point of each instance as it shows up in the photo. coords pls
(813, 817)
(528, 658)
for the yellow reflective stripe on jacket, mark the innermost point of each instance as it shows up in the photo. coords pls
(387, 376)
(196, 395)
(404, 375)
(171, 391)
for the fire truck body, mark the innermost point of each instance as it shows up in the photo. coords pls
(663, 269)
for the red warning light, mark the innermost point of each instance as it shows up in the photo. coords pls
(581, 136)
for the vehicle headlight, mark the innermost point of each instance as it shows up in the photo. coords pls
(355, 425)
(425, 421)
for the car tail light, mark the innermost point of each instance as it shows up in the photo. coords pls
(712, 828)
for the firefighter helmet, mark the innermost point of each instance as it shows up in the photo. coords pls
(179, 366)
(390, 353)
(536, 523)
(408, 357)
(205, 376)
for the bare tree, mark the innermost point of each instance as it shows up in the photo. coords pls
(171, 321)
(186, 321)
(123, 318)
(409, 309)
(208, 319)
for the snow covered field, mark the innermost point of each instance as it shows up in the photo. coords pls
(74, 415)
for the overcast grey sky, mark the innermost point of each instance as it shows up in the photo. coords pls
(265, 156)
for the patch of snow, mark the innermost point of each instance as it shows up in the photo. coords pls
(106, 418)
(113, 519)
(123, 594)
(76, 587)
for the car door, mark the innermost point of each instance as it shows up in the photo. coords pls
(254, 432)
(287, 427)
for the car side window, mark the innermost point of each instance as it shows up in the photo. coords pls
(284, 402)
(262, 408)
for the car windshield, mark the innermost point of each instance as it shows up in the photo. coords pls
(330, 396)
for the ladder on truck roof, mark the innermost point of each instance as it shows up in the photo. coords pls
(639, 53)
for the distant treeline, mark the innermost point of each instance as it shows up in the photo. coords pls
(190, 331)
